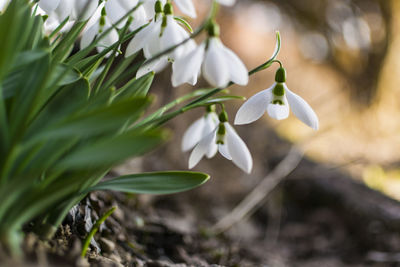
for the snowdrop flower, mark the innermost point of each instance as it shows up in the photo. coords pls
(219, 64)
(100, 23)
(276, 101)
(200, 129)
(58, 10)
(75, 9)
(116, 9)
(186, 6)
(161, 34)
(229, 144)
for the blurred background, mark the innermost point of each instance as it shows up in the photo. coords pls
(343, 58)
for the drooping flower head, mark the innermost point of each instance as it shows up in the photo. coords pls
(162, 33)
(227, 141)
(219, 64)
(276, 101)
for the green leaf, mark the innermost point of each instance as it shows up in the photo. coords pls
(110, 151)
(184, 23)
(157, 183)
(27, 57)
(64, 75)
(139, 87)
(14, 31)
(97, 121)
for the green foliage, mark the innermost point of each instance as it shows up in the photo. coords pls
(65, 120)
(154, 183)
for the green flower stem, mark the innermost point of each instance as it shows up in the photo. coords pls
(94, 230)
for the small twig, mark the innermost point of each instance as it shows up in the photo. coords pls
(94, 230)
(260, 192)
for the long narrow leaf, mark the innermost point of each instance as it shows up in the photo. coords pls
(157, 183)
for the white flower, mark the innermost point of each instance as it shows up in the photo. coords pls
(161, 34)
(99, 23)
(200, 129)
(116, 9)
(219, 65)
(186, 6)
(75, 9)
(229, 144)
(276, 101)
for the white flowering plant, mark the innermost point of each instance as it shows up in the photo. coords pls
(68, 114)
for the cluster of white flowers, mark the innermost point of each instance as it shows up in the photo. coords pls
(208, 134)
(164, 40)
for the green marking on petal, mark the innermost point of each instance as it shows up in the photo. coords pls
(278, 90)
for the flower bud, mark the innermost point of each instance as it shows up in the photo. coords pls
(280, 75)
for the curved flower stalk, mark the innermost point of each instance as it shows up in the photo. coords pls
(219, 64)
(99, 23)
(229, 144)
(276, 101)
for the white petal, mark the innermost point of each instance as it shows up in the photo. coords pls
(209, 127)
(64, 9)
(302, 110)
(108, 40)
(214, 120)
(238, 150)
(127, 4)
(187, 7)
(215, 70)
(237, 70)
(193, 134)
(255, 107)
(226, 2)
(212, 150)
(140, 39)
(223, 149)
(278, 112)
(156, 65)
(201, 149)
(84, 9)
(88, 35)
(149, 7)
(115, 11)
(152, 45)
(188, 67)
(173, 34)
(49, 5)
(139, 19)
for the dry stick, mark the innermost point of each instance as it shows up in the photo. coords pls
(260, 192)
